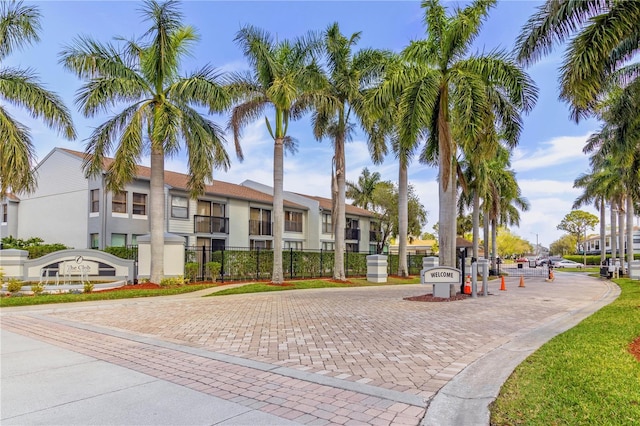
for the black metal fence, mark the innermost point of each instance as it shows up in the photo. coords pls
(242, 263)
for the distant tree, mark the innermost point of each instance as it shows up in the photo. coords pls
(385, 205)
(564, 245)
(577, 223)
(361, 192)
(511, 244)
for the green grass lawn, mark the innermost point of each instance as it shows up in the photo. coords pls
(85, 297)
(588, 269)
(583, 376)
(307, 284)
(248, 288)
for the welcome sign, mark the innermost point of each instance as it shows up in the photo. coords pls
(443, 278)
(441, 274)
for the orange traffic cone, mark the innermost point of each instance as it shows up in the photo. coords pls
(502, 286)
(521, 282)
(467, 285)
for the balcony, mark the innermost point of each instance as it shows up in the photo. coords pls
(352, 234)
(211, 225)
(375, 236)
(259, 227)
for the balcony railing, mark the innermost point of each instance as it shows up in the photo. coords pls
(352, 234)
(259, 227)
(211, 225)
(291, 226)
(375, 236)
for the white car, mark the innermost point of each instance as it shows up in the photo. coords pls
(564, 263)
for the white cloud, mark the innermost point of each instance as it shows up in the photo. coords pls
(557, 151)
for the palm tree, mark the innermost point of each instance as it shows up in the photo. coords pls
(594, 192)
(283, 75)
(615, 150)
(160, 116)
(604, 35)
(362, 192)
(19, 26)
(443, 82)
(349, 74)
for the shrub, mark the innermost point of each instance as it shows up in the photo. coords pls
(172, 281)
(37, 288)
(14, 285)
(213, 269)
(122, 252)
(191, 270)
(88, 287)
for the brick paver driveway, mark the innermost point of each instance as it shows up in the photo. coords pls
(369, 337)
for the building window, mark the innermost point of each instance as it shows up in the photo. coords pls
(179, 207)
(5, 213)
(260, 222)
(352, 247)
(295, 245)
(139, 204)
(95, 241)
(134, 239)
(119, 202)
(327, 227)
(293, 221)
(328, 246)
(118, 240)
(95, 201)
(261, 244)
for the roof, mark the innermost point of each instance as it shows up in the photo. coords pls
(10, 196)
(418, 243)
(462, 243)
(325, 204)
(180, 180)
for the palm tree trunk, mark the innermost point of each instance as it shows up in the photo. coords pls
(621, 229)
(485, 232)
(494, 241)
(403, 219)
(630, 215)
(447, 218)
(446, 187)
(340, 222)
(157, 214)
(614, 252)
(603, 232)
(475, 218)
(278, 210)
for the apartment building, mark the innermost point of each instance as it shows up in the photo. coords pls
(71, 209)
(593, 242)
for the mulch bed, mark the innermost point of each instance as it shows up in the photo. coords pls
(432, 298)
(634, 348)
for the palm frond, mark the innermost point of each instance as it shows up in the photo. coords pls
(17, 156)
(21, 88)
(19, 26)
(205, 146)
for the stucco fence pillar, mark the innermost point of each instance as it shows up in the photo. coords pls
(377, 268)
(173, 255)
(12, 262)
(634, 270)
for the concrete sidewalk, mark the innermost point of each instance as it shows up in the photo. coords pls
(328, 356)
(44, 384)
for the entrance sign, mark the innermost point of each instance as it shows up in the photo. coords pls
(441, 274)
(443, 278)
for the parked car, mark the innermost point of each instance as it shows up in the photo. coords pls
(522, 259)
(564, 263)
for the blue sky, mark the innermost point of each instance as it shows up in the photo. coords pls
(547, 160)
